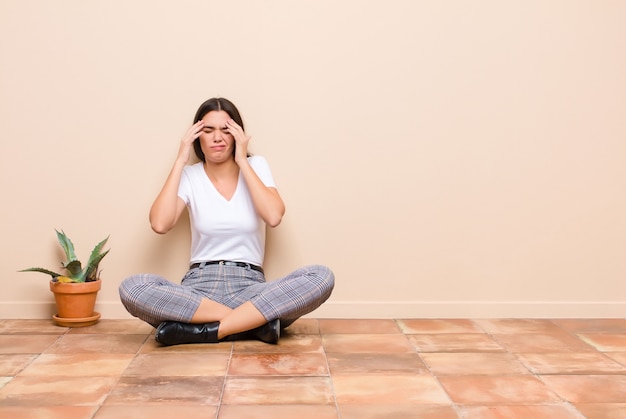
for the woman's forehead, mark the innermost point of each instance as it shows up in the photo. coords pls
(216, 118)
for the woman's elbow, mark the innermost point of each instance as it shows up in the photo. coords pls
(159, 230)
(160, 227)
(274, 221)
(273, 218)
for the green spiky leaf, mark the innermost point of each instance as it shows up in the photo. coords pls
(91, 273)
(68, 247)
(96, 252)
(73, 265)
(42, 270)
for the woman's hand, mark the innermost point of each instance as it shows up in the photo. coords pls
(184, 151)
(267, 202)
(167, 206)
(241, 140)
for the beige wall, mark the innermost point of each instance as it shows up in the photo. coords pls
(446, 158)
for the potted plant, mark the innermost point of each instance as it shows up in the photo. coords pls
(75, 293)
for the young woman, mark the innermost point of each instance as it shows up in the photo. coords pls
(231, 198)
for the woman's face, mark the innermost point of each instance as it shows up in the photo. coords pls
(216, 142)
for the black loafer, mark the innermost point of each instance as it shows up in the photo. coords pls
(175, 333)
(268, 333)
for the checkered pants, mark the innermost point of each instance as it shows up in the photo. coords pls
(154, 299)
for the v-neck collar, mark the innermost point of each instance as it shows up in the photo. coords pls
(214, 188)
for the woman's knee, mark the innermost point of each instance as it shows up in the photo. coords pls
(326, 279)
(127, 287)
(132, 288)
(128, 293)
(330, 282)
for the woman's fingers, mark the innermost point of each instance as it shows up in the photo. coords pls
(194, 131)
(236, 131)
(184, 152)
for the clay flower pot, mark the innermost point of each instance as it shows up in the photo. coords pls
(75, 291)
(75, 302)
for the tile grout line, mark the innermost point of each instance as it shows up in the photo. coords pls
(516, 356)
(330, 375)
(537, 374)
(121, 375)
(230, 358)
(540, 376)
(453, 404)
(38, 355)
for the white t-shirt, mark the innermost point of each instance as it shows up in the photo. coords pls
(221, 229)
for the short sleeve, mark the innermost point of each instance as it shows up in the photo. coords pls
(262, 169)
(184, 188)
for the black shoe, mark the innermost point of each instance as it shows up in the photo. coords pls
(174, 333)
(268, 333)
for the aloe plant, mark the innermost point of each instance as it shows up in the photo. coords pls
(73, 266)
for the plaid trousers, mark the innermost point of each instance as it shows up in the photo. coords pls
(154, 299)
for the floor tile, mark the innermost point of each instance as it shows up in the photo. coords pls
(589, 388)
(359, 326)
(365, 364)
(521, 326)
(542, 343)
(592, 325)
(78, 365)
(396, 411)
(367, 343)
(602, 410)
(314, 411)
(25, 344)
(166, 390)
(4, 381)
(321, 368)
(548, 411)
(618, 357)
(31, 326)
(13, 364)
(48, 412)
(152, 346)
(53, 391)
(388, 389)
(457, 342)
(571, 363)
(178, 365)
(473, 364)
(277, 390)
(102, 343)
(161, 411)
(497, 390)
(125, 327)
(605, 342)
(303, 327)
(311, 364)
(287, 344)
(438, 326)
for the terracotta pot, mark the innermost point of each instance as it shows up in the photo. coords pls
(76, 301)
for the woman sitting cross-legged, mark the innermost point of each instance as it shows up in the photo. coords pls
(231, 198)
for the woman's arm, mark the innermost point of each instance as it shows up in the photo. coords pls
(267, 201)
(167, 206)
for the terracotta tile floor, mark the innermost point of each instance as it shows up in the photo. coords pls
(322, 368)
